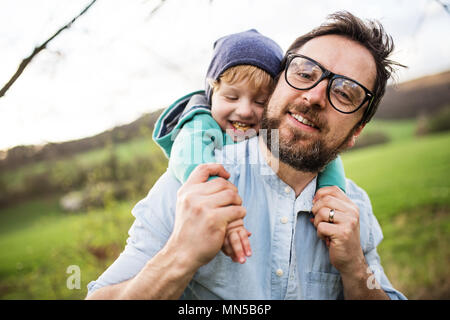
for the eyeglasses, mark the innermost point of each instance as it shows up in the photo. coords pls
(345, 95)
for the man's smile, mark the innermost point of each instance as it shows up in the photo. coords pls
(302, 122)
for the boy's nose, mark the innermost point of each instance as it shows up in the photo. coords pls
(245, 110)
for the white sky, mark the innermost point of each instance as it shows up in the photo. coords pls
(116, 63)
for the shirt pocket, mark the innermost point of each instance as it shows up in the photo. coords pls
(323, 286)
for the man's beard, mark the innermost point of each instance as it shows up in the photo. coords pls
(309, 158)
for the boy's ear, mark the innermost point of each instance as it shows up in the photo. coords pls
(356, 134)
(210, 82)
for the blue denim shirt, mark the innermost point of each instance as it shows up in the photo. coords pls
(288, 260)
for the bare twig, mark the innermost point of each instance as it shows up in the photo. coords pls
(155, 9)
(38, 49)
(444, 5)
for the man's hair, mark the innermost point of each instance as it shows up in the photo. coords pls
(371, 35)
(257, 78)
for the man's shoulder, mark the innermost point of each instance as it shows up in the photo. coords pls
(355, 192)
(359, 196)
(370, 230)
(161, 197)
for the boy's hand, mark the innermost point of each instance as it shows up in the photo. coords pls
(236, 244)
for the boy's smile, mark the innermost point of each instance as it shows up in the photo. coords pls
(240, 125)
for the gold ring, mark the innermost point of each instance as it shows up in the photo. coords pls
(331, 216)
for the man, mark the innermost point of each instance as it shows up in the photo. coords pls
(305, 244)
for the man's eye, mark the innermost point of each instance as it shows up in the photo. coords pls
(342, 96)
(304, 75)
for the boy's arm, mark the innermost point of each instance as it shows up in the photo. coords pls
(332, 175)
(195, 144)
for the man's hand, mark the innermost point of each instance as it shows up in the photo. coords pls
(343, 239)
(204, 210)
(342, 236)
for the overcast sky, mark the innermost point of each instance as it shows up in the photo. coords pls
(118, 61)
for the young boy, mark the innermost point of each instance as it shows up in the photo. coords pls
(239, 80)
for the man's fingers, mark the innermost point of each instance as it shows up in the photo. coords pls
(230, 213)
(235, 224)
(331, 202)
(203, 171)
(323, 215)
(222, 198)
(217, 185)
(326, 230)
(333, 191)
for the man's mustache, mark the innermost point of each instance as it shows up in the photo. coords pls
(312, 113)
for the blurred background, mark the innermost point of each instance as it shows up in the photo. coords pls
(76, 152)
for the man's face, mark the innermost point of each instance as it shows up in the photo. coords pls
(311, 131)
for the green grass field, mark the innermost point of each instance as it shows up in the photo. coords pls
(34, 259)
(407, 179)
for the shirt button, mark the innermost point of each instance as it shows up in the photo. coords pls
(284, 220)
(287, 189)
(279, 272)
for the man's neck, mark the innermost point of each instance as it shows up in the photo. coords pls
(296, 179)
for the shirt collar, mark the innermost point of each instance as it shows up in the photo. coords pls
(303, 201)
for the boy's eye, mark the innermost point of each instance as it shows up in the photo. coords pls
(260, 102)
(231, 97)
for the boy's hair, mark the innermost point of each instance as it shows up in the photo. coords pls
(243, 48)
(371, 35)
(257, 78)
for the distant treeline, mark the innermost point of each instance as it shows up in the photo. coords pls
(419, 97)
(21, 155)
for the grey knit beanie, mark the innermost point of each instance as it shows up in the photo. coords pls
(249, 48)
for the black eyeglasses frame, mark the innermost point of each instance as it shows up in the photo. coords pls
(327, 74)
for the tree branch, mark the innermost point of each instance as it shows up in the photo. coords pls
(155, 9)
(38, 49)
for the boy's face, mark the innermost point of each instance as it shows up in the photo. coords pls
(238, 108)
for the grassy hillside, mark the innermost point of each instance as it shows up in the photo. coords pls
(407, 179)
(403, 175)
(34, 258)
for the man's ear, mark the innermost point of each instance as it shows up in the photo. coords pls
(356, 134)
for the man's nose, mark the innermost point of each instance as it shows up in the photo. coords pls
(318, 94)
